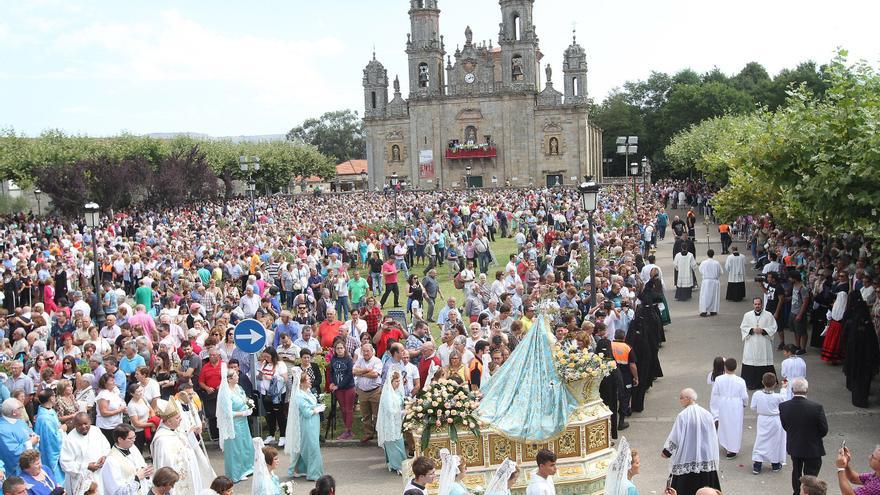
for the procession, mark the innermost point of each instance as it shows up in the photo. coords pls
(418, 249)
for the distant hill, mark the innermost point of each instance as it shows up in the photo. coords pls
(234, 139)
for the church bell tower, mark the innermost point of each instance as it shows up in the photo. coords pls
(519, 45)
(425, 49)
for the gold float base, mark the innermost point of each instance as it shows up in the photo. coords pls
(583, 451)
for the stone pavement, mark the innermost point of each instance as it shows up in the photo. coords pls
(686, 357)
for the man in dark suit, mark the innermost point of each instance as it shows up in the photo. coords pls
(805, 425)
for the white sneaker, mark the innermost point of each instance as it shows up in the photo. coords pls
(281, 442)
(269, 440)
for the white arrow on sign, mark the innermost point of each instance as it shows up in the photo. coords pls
(254, 337)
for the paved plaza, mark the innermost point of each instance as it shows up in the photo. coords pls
(692, 342)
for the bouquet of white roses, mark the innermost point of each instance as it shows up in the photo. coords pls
(250, 404)
(444, 403)
(573, 363)
(287, 487)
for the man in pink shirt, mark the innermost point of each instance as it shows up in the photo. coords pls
(389, 273)
(145, 321)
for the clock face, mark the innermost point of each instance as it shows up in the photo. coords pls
(470, 78)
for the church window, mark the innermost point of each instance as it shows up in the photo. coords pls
(470, 135)
(395, 153)
(554, 146)
(373, 98)
(516, 23)
(516, 68)
(420, 4)
(575, 86)
(423, 75)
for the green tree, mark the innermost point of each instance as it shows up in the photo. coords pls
(339, 135)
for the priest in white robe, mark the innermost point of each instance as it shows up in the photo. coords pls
(710, 291)
(735, 266)
(125, 472)
(757, 328)
(170, 448)
(729, 397)
(685, 264)
(82, 455)
(692, 446)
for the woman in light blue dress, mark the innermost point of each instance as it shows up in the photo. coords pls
(235, 435)
(304, 431)
(266, 459)
(389, 424)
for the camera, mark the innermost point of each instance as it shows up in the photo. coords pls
(761, 278)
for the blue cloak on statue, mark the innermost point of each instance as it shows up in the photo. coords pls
(48, 427)
(526, 400)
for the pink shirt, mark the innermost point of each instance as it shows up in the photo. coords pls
(145, 321)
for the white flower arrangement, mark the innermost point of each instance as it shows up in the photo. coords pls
(573, 363)
(250, 403)
(287, 487)
(444, 404)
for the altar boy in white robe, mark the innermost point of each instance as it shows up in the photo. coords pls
(757, 328)
(685, 264)
(770, 438)
(82, 455)
(125, 472)
(729, 397)
(710, 291)
(735, 266)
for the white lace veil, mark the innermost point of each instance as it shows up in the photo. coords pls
(292, 435)
(262, 482)
(224, 408)
(486, 374)
(498, 484)
(389, 424)
(449, 471)
(618, 469)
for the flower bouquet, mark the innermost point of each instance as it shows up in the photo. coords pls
(287, 487)
(581, 369)
(444, 403)
(250, 404)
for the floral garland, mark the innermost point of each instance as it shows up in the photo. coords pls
(573, 363)
(444, 403)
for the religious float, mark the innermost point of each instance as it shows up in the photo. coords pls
(546, 396)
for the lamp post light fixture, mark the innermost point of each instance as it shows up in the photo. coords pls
(93, 221)
(467, 183)
(627, 145)
(589, 192)
(37, 194)
(395, 184)
(646, 171)
(634, 171)
(249, 165)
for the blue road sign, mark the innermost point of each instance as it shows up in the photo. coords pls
(250, 336)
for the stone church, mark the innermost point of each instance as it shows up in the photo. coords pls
(479, 117)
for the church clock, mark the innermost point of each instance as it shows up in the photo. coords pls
(470, 78)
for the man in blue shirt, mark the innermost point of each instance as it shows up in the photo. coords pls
(288, 326)
(132, 360)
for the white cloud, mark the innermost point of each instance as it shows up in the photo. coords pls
(174, 48)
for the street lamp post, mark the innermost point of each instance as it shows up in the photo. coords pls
(646, 172)
(37, 194)
(395, 183)
(634, 171)
(627, 145)
(467, 182)
(93, 220)
(589, 192)
(249, 165)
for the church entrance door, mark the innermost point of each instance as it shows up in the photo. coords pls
(475, 181)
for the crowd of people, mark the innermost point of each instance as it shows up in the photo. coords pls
(123, 389)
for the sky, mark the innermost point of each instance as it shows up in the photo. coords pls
(230, 67)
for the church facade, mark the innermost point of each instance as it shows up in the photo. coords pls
(482, 116)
